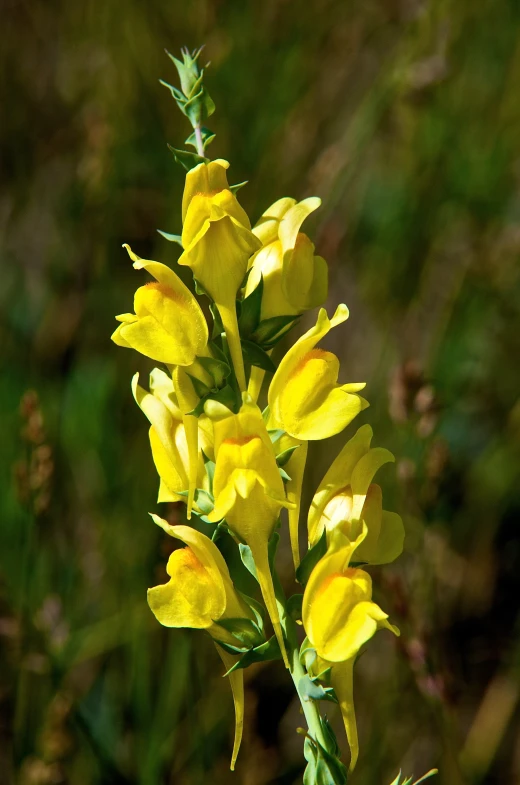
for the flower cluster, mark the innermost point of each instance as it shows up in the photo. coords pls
(237, 467)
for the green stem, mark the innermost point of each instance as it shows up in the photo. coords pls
(310, 707)
(198, 139)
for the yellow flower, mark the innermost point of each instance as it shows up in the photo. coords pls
(346, 497)
(217, 242)
(198, 595)
(294, 279)
(168, 324)
(168, 436)
(304, 397)
(339, 618)
(248, 490)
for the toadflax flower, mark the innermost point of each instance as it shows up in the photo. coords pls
(169, 439)
(339, 617)
(168, 325)
(304, 397)
(346, 498)
(294, 278)
(199, 594)
(217, 242)
(248, 490)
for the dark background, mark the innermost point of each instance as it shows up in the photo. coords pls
(404, 116)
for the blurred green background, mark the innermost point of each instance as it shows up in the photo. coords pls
(404, 116)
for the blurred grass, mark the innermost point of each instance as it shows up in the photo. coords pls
(404, 116)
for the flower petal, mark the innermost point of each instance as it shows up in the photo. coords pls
(338, 476)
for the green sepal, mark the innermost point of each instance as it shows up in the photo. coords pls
(272, 330)
(308, 655)
(199, 289)
(311, 559)
(293, 606)
(245, 631)
(314, 691)
(202, 499)
(285, 456)
(257, 356)
(238, 186)
(247, 556)
(207, 138)
(227, 396)
(209, 465)
(218, 327)
(218, 369)
(173, 238)
(250, 310)
(186, 159)
(200, 388)
(220, 529)
(270, 650)
(283, 474)
(322, 767)
(331, 745)
(217, 352)
(257, 608)
(274, 433)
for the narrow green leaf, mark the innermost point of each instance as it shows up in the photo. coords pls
(204, 500)
(270, 650)
(250, 310)
(186, 159)
(284, 457)
(311, 559)
(245, 631)
(173, 238)
(257, 356)
(237, 187)
(272, 330)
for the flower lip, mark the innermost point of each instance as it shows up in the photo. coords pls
(240, 441)
(187, 558)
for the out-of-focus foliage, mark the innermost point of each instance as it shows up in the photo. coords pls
(404, 116)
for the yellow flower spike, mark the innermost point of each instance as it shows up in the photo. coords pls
(304, 397)
(249, 491)
(168, 325)
(346, 498)
(199, 593)
(218, 242)
(339, 618)
(295, 468)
